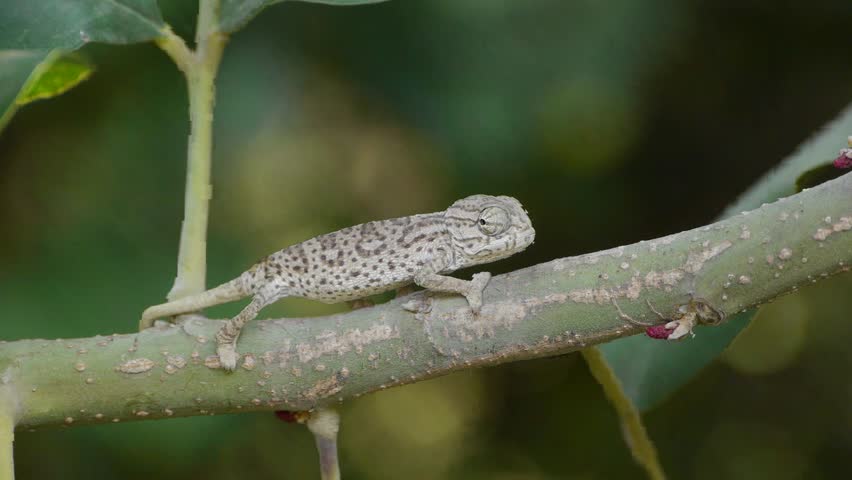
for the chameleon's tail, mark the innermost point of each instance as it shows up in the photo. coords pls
(227, 292)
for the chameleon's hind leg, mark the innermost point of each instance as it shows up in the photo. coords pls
(226, 337)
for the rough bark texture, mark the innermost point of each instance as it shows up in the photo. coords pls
(548, 309)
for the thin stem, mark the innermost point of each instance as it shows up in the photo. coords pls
(324, 424)
(200, 75)
(7, 438)
(638, 441)
(176, 49)
(208, 21)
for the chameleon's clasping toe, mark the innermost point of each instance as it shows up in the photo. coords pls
(228, 356)
(474, 293)
(681, 328)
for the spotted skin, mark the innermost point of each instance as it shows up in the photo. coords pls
(371, 258)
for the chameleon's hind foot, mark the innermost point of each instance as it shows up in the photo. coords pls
(228, 356)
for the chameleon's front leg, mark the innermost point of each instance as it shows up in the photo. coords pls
(472, 290)
(226, 337)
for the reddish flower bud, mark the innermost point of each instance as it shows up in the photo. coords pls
(659, 332)
(286, 415)
(843, 161)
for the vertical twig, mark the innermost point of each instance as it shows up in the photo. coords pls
(200, 68)
(7, 438)
(634, 432)
(324, 423)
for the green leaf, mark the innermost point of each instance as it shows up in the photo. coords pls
(29, 75)
(31, 29)
(650, 370)
(57, 78)
(817, 175)
(781, 182)
(236, 13)
(68, 24)
(635, 434)
(16, 67)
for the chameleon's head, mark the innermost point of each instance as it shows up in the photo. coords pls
(485, 228)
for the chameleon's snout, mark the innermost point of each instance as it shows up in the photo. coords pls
(526, 234)
(528, 237)
(525, 237)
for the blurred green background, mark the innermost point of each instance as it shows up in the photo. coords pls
(613, 122)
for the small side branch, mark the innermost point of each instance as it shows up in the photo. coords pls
(7, 438)
(176, 49)
(324, 423)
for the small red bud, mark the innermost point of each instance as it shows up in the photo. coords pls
(286, 415)
(843, 161)
(659, 332)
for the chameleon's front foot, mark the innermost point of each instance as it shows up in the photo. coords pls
(228, 356)
(472, 289)
(475, 289)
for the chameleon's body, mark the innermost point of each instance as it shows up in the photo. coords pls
(372, 258)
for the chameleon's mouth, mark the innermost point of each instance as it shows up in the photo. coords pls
(527, 238)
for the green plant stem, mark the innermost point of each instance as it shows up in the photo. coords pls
(176, 49)
(635, 435)
(200, 68)
(548, 309)
(324, 423)
(7, 438)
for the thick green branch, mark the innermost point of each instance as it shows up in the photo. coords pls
(551, 308)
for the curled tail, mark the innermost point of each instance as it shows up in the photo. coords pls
(227, 292)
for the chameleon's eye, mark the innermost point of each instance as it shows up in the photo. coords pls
(493, 220)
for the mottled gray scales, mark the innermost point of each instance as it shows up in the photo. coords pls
(371, 258)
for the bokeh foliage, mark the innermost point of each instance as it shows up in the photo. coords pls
(612, 122)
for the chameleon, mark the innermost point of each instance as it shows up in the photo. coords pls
(371, 258)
